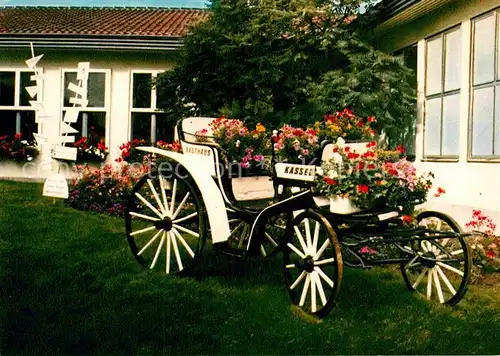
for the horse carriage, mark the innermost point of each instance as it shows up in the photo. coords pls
(189, 199)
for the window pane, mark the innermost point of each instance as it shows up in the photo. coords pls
(164, 127)
(69, 78)
(7, 123)
(7, 85)
(141, 94)
(96, 122)
(96, 87)
(452, 60)
(484, 50)
(141, 126)
(28, 125)
(96, 90)
(434, 66)
(497, 121)
(432, 134)
(451, 125)
(24, 98)
(482, 122)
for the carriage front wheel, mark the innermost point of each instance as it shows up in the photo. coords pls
(438, 269)
(165, 221)
(312, 263)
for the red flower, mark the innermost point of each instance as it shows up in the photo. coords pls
(361, 165)
(353, 155)
(362, 188)
(491, 254)
(371, 144)
(371, 119)
(371, 166)
(329, 181)
(393, 172)
(440, 191)
(18, 136)
(360, 123)
(335, 149)
(347, 149)
(407, 219)
(401, 149)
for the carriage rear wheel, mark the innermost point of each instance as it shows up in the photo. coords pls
(440, 268)
(312, 263)
(165, 222)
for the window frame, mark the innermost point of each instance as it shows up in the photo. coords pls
(442, 94)
(106, 109)
(17, 93)
(495, 84)
(153, 110)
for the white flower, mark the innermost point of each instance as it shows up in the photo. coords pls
(30, 158)
(238, 143)
(320, 171)
(24, 142)
(333, 174)
(337, 158)
(340, 142)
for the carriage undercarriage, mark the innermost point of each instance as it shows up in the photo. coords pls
(173, 212)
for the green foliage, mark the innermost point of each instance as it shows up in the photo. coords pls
(280, 62)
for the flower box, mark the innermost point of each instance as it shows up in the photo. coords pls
(338, 205)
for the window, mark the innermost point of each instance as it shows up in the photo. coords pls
(147, 121)
(94, 116)
(16, 113)
(485, 116)
(442, 95)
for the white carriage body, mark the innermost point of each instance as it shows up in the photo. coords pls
(210, 192)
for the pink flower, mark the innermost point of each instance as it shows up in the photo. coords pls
(245, 164)
(258, 158)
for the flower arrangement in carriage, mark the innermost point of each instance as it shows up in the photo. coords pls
(91, 149)
(244, 150)
(371, 179)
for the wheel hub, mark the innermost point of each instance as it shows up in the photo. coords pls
(307, 264)
(165, 224)
(428, 260)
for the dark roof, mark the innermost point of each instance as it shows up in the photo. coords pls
(390, 8)
(98, 21)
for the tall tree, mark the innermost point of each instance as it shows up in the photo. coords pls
(279, 61)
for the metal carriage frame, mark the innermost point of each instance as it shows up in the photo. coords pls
(177, 210)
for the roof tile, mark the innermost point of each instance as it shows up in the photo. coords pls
(98, 21)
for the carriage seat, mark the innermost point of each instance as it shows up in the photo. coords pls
(187, 128)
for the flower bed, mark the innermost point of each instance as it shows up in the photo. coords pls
(16, 149)
(104, 190)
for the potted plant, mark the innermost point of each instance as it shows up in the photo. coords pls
(244, 150)
(362, 181)
(17, 149)
(295, 145)
(91, 149)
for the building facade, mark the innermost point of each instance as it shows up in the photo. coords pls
(126, 48)
(457, 46)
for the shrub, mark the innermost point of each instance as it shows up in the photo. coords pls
(91, 148)
(484, 244)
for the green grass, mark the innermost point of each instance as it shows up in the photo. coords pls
(70, 285)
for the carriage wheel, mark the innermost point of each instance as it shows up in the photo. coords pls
(313, 263)
(165, 222)
(274, 233)
(439, 269)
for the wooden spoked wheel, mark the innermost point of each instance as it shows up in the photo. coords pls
(440, 268)
(165, 222)
(312, 263)
(271, 241)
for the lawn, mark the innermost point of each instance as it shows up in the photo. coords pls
(70, 285)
